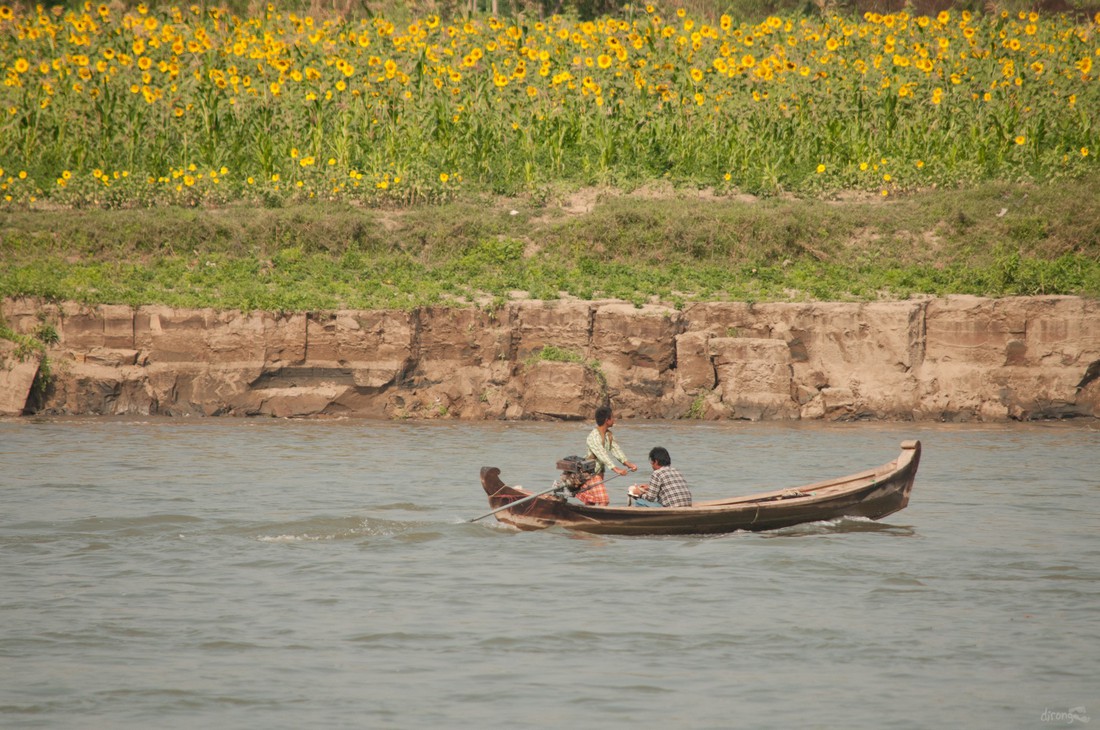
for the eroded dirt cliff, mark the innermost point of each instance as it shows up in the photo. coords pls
(959, 358)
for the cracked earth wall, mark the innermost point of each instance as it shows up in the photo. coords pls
(951, 359)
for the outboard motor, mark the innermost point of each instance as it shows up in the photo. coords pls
(575, 471)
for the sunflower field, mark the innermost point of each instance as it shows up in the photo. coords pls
(188, 106)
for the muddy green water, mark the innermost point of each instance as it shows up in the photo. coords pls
(268, 574)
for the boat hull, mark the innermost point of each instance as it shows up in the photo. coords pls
(873, 494)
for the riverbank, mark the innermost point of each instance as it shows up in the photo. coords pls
(956, 358)
(673, 303)
(653, 244)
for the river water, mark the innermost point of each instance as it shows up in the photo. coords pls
(274, 574)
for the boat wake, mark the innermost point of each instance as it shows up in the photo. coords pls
(359, 528)
(340, 529)
(840, 526)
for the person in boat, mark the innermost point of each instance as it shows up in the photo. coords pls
(603, 447)
(667, 486)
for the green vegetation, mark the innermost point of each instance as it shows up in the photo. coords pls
(269, 159)
(698, 407)
(105, 106)
(27, 346)
(553, 353)
(993, 239)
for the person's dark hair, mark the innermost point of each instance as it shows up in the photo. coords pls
(602, 414)
(660, 455)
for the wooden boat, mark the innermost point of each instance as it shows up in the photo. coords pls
(874, 494)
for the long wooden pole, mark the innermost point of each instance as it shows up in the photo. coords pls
(528, 498)
(516, 503)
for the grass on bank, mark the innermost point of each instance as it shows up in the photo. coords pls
(995, 239)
